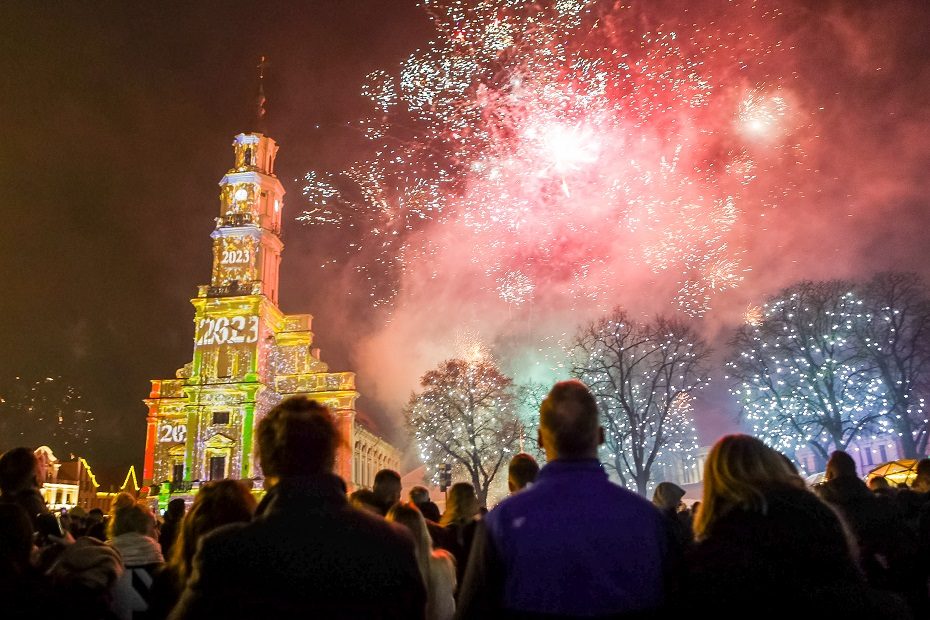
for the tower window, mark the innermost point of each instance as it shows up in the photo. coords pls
(221, 417)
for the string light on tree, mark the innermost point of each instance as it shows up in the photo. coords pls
(643, 376)
(799, 374)
(466, 415)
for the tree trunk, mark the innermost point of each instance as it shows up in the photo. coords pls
(481, 490)
(908, 446)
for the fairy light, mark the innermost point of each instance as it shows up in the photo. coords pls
(644, 377)
(799, 375)
(465, 410)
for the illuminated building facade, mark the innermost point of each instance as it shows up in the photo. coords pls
(247, 355)
(70, 484)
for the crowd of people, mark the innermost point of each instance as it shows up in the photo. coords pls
(566, 543)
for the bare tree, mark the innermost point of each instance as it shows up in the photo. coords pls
(466, 415)
(798, 372)
(642, 376)
(895, 339)
(530, 396)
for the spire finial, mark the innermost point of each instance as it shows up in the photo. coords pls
(260, 109)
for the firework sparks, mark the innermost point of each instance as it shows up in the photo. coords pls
(552, 137)
(753, 316)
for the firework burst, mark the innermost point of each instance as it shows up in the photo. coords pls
(557, 140)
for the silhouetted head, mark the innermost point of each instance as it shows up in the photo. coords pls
(667, 496)
(19, 470)
(387, 488)
(419, 495)
(522, 471)
(569, 426)
(297, 438)
(175, 510)
(840, 465)
(878, 482)
(737, 473)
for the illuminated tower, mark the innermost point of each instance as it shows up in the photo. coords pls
(247, 353)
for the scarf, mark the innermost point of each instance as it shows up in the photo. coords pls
(137, 549)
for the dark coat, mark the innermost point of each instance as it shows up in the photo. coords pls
(886, 543)
(169, 534)
(456, 538)
(29, 500)
(792, 559)
(308, 554)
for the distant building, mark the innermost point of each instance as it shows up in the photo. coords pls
(72, 483)
(868, 453)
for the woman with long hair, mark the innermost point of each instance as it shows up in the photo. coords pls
(460, 521)
(217, 503)
(767, 546)
(437, 566)
(738, 472)
(461, 505)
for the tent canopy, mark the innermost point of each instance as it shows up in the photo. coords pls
(896, 472)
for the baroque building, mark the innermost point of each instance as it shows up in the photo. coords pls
(247, 354)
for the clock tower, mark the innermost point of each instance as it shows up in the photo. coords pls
(247, 354)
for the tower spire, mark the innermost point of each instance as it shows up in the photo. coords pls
(260, 111)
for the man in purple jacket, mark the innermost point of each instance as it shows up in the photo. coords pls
(573, 544)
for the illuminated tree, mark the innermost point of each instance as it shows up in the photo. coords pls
(642, 376)
(895, 339)
(530, 396)
(799, 375)
(466, 415)
(46, 411)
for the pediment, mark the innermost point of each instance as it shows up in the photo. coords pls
(220, 441)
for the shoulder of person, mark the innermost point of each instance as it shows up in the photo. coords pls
(378, 531)
(443, 562)
(441, 556)
(224, 538)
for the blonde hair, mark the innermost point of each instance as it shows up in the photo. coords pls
(738, 472)
(461, 504)
(129, 515)
(411, 518)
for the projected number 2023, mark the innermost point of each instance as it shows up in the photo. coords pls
(234, 257)
(232, 330)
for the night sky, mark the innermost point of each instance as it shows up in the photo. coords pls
(117, 124)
